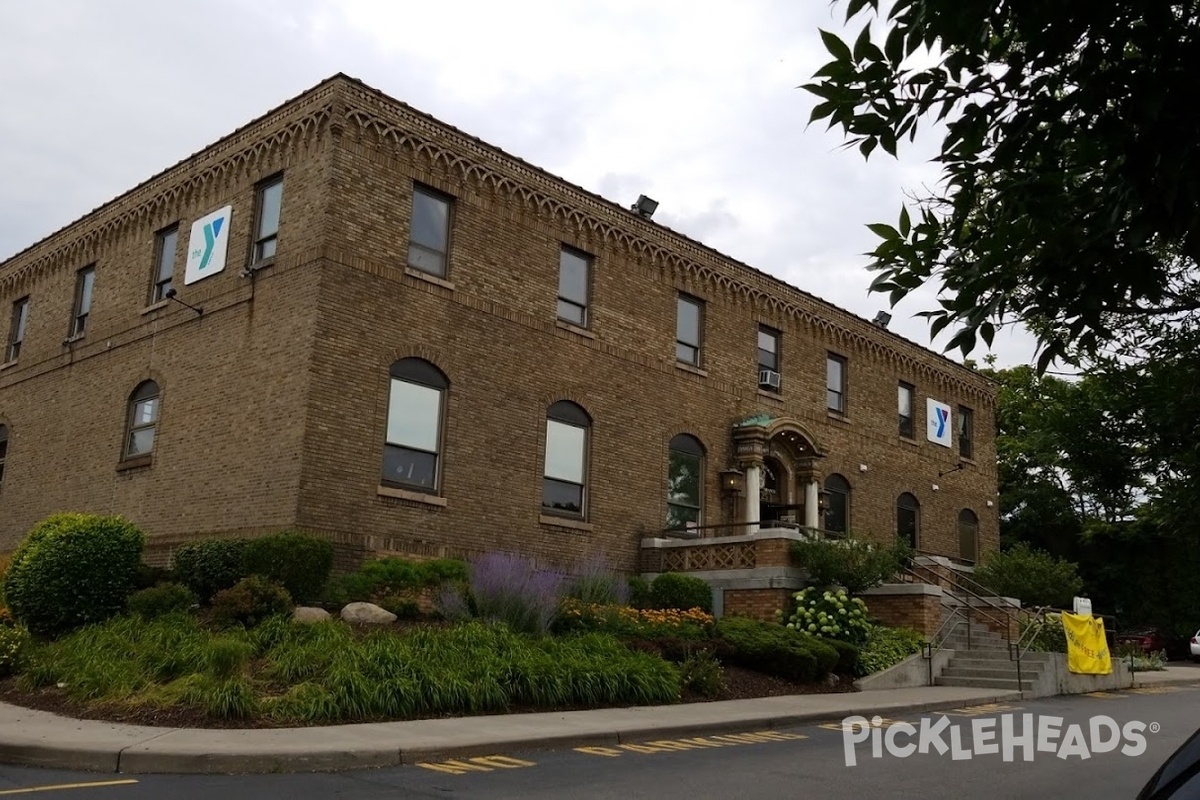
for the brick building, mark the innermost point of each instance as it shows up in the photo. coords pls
(410, 341)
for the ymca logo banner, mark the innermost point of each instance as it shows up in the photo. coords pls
(207, 245)
(938, 427)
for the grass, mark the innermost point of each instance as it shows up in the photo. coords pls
(324, 673)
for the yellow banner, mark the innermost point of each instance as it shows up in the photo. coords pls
(1087, 649)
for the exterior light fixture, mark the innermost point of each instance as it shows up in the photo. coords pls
(882, 319)
(644, 207)
(731, 481)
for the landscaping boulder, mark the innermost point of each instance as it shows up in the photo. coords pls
(308, 615)
(367, 614)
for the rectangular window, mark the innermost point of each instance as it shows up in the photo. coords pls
(835, 383)
(164, 267)
(85, 282)
(768, 358)
(573, 276)
(266, 236)
(966, 425)
(689, 329)
(413, 432)
(429, 237)
(904, 404)
(16, 333)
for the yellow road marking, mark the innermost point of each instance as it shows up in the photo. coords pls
(986, 708)
(56, 787)
(480, 764)
(1103, 695)
(692, 743)
(1154, 689)
(841, 727)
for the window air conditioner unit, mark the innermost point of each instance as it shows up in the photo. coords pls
(768, 379)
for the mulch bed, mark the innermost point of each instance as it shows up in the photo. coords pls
(740, 684)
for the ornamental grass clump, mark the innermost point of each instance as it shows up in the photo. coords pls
(508, 588)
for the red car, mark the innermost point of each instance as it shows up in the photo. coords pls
(1150, 640)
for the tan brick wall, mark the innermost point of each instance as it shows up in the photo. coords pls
(921, 612)
(274, 403)
(756, 603)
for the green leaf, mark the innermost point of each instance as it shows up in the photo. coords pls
(836, 47)
(905, 222)
(884, 231)
(862, 43)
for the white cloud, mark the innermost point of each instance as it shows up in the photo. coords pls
(692, 103)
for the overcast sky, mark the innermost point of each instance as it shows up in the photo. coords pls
(691, 102)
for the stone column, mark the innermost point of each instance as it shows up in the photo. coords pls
(811, 507)
(753, 497)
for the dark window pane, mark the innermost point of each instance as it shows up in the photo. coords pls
(265, 249)
(409, 467)
(907, 519)
(767, 360)
(418, 370)
(271, 197)
(562, 496)
(430, 221)
(679, 517)
(572, 313)
(968, 536)
(965, 425)
(686, 443)
(566, 411)
(684, 479)
(835, 512)
(573, 277)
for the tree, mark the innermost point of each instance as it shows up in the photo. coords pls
(1071, 151)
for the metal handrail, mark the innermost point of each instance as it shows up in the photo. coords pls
(939, 638)
(961, 587)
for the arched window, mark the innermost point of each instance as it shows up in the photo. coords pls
(968, 535)
(416, 408)
(142, 420)
(837, 504)
(685, 481)
(3, 450)
(908, 519)
(565, 473)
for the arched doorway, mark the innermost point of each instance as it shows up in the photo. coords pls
(779, 457)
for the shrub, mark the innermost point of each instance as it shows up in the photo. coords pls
(886, 647)
(634, 623)
(853, 564)
(702, 674)
(390, 577)
(165, 598)
(250, 601)
(847, 656)
(595, 583)
(1035, 577)
(829, 615)
(208, 566)
(13, 640)
(676, 590)
(510, 589)
(639, 592)
(301, 563)
(773, 649)
(72, 570)
(148, 577)
(1050, 638)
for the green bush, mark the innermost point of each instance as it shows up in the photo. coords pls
(886, 647)
(298, 561)
(829, 614)
(13, 640)
(676, 590)
(852, 564)
(702, 674)
(206, 567)
(148, 577)
(250, 601)
(165, 598)
(847, 656)
(1051, 637)
(391, 577)
(773, 649)
(639, 592)
(1034, 577)
(72, 570)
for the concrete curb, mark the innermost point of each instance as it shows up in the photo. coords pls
(47, 740)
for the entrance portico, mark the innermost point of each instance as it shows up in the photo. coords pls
(779, 458)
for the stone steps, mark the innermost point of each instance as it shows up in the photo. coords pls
(1010, 684)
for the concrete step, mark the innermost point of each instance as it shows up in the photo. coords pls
(1035, 659)
(955, 671)
(987, 683)
(968, 661)
(973, 646)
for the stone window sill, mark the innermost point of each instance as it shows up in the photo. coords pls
(161, 304)
(8, 365)
(970, 461)
(411, 496)
(770, 395)
(575, 329)
(565, 522)
(70, 340)
(136, 462)
(836, 417)
(685, 367)
(413, 272)
(910, 440)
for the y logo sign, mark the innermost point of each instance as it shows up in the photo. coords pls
(938, 415)
(207, 245)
